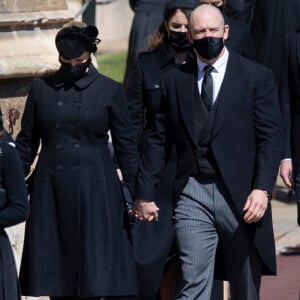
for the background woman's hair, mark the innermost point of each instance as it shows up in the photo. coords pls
(156, 39)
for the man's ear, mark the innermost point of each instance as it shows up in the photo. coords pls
(226, 32)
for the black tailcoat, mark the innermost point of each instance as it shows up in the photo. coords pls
(245, 139)
(76, 243)
(289, 97)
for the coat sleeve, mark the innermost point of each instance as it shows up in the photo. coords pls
(284, 102)
(268, 132)
(17, 207)
(155, 156)
(28, 139)
(123, 141)
(134, 92)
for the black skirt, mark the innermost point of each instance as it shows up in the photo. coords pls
(9, 285)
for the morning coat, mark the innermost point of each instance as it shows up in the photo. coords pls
(245, 139)
(76, 240)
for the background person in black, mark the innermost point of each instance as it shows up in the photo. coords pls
(76, 241)
(148, 14)
(289, 99)
(168, 48)
(240, 9)
(13, 211)
(272, 20)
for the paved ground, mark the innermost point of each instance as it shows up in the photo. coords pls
(286, 285)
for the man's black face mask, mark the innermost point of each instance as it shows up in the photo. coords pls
(209, 47)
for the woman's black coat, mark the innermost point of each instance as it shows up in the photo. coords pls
(76, 241)
(143, 94)
(14, 211)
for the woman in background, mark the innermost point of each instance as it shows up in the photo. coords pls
(13, 210)
(168, 47)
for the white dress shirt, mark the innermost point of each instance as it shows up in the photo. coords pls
(217, 74)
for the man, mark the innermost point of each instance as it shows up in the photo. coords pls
(239, 39)
(289, 96)
(228, 157)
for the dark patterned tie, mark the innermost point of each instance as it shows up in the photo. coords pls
(207, 87)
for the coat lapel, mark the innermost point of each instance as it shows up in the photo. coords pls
(185, 83)
(228, 93)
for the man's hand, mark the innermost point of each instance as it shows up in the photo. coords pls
(286, 172)
(145, 210)
(256, 206)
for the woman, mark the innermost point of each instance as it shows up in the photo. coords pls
(13, 210)
(169, 47)
(76, 241)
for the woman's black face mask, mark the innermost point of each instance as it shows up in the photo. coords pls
(72, 73)
(179, 41)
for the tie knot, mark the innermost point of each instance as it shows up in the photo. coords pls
(208, 69)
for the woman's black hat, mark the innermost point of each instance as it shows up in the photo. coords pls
(72, 41)
(184, 4)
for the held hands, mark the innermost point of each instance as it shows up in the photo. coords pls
(145, 210)
(286, 173)
(256, 206)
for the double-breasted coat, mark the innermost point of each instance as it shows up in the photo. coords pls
(245, 140)
(76, 241)
(12, 211)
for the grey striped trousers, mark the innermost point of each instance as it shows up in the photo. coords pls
(203, 217)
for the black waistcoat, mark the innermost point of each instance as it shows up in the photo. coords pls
(204, 121)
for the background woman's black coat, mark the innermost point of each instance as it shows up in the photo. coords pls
(76, 243)
(144, 96)
(148, 15)
(15, 211)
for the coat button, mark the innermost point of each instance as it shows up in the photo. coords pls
(59, 104)
(76, 167)
(156, 85)
(57, 125)
(58, 146)
(58, 168)
(76, 146)
(78, 104)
